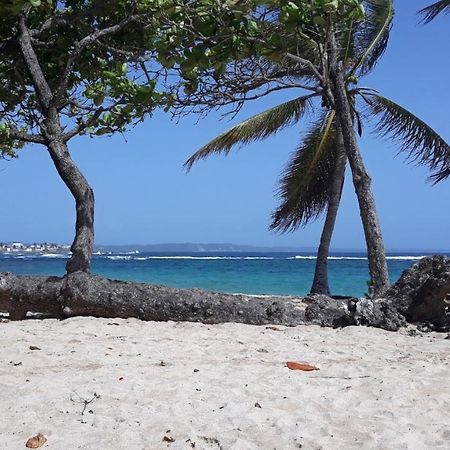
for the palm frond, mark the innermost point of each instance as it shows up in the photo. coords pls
(431, 12)
(441, 175)
(421, 143)
(372, 36)
(255, 128)
(345, 38)
(306, 180)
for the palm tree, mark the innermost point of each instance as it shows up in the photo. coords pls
(431, 12)
(312, 181)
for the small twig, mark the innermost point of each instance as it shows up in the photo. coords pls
(85, 402)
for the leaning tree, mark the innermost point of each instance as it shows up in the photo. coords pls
(322, 48)
(87, 67)
(97, 67)
(70, 68)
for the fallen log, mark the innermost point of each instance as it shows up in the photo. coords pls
(422, 295)
(81, 294)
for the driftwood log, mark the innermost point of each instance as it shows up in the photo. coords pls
(422, 295)
(81, 294)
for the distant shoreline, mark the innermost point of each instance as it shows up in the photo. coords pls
(194, 248)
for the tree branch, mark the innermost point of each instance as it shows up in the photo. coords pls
(82, 125)
(82, 44)
(43, 90)
(22, 136)
(306, 63)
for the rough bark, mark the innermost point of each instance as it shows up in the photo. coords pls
(84, 200)
(362, 182)
(81, 294)
(320, 283)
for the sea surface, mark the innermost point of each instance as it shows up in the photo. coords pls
(249, 273)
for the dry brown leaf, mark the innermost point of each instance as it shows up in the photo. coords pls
(37, 441)
(301, 366)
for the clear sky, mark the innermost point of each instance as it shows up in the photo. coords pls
(144, 196)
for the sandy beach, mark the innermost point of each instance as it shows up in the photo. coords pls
(125, 384)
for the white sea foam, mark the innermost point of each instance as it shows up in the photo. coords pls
(406, 258)
(303, 257)
(362, 258)
(119, 257)
(132, 256)
(145, 258)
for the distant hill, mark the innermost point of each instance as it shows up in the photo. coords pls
(234, 248)
(194, 248)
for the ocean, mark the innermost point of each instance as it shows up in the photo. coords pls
(249, 273)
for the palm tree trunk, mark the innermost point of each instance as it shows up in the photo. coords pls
(84, 200)
(379, 276)
(362, 183)
(320, 284)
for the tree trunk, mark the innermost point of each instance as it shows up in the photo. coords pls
(375, 248)
(82, 246)
(362, 183)
(320, 284)
(82, 294)
(57, 147)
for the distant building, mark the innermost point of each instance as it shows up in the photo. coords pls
(20, 247)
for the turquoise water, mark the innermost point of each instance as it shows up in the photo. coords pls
(253, 273)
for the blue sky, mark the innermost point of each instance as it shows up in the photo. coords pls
(144, 196)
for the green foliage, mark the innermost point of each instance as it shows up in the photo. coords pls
(289, 44)
(106, 63)
(372, 41)
(318, 13)
(8, 145)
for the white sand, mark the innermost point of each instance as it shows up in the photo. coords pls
(374, 390)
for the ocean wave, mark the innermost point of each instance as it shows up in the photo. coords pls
(119, 258)
(337, 258)
(406, 258)
(133, 256)
(361, 258)
(146, 258)
(303, 257)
